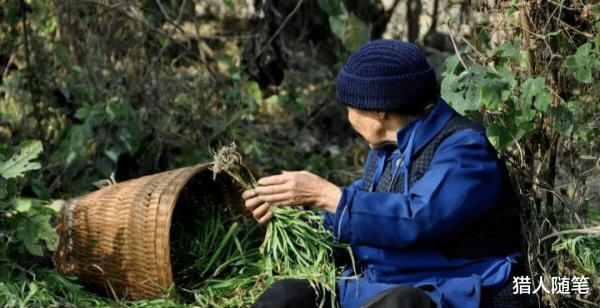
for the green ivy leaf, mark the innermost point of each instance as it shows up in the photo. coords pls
(564, 120)
(491, 96)
(455, 99)
(34, 226)
(40, 190)
(331, 7)
(22, 162)
(8, 204)
(253, 90)
(275, 99)
(5, 151)
(510, 50)
(114, 152)
(470, 101)
(12, 188)
(23, 205)
(492, 86)
(584, 50)
(572, 63)
(461, 92)
(130, 136)
(498, 136)
(78, 69)
(474, 98)
(532, 87)
(582, 63)
(106, 167)
(356, 33)
(73, 140)
(75, 168)
(479, 71)
(83, 112)
(518, 127)
(533, 91)
(300, 104)
(453, 66)
(116, 110)
(584, 74)
(162, 40)
(223, 59)
(449, 84)
(236, 75)
(527, 113)
(542, 101)
(336, 24)
(56, 205)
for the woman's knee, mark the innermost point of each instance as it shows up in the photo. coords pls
(289, 293)
(402, 296)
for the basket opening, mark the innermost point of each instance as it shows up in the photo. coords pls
(204, 208)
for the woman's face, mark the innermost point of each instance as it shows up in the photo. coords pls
(369, 124)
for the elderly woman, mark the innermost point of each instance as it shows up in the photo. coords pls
(433, 222)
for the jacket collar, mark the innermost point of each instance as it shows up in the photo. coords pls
(431, 126)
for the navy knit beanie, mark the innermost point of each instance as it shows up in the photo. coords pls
(386, 75)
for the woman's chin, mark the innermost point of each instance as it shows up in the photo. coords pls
(382, 144)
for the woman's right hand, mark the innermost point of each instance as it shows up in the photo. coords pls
(260, 209)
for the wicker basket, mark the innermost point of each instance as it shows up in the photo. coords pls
(118, 237)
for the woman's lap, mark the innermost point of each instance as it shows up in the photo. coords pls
(297, 293)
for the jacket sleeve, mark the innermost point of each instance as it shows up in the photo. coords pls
(356, 185)
(461, 184)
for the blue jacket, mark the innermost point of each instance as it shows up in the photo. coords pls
(389, 231)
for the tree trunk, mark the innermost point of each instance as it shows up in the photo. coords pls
(413, 13)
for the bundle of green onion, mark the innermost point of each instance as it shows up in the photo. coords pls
(219, 260)
(215, 257)
(296, 244)
(293, 248)
(229, 265)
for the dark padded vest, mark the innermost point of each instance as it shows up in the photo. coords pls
(497, 234)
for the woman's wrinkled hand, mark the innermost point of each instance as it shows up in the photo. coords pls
(259, 208)
(300, 188)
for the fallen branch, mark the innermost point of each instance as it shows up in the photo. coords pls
(577, 231)
(456, 47)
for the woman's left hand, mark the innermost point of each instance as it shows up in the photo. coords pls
(300, 188)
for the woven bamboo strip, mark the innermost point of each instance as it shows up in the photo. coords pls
(163, 226)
